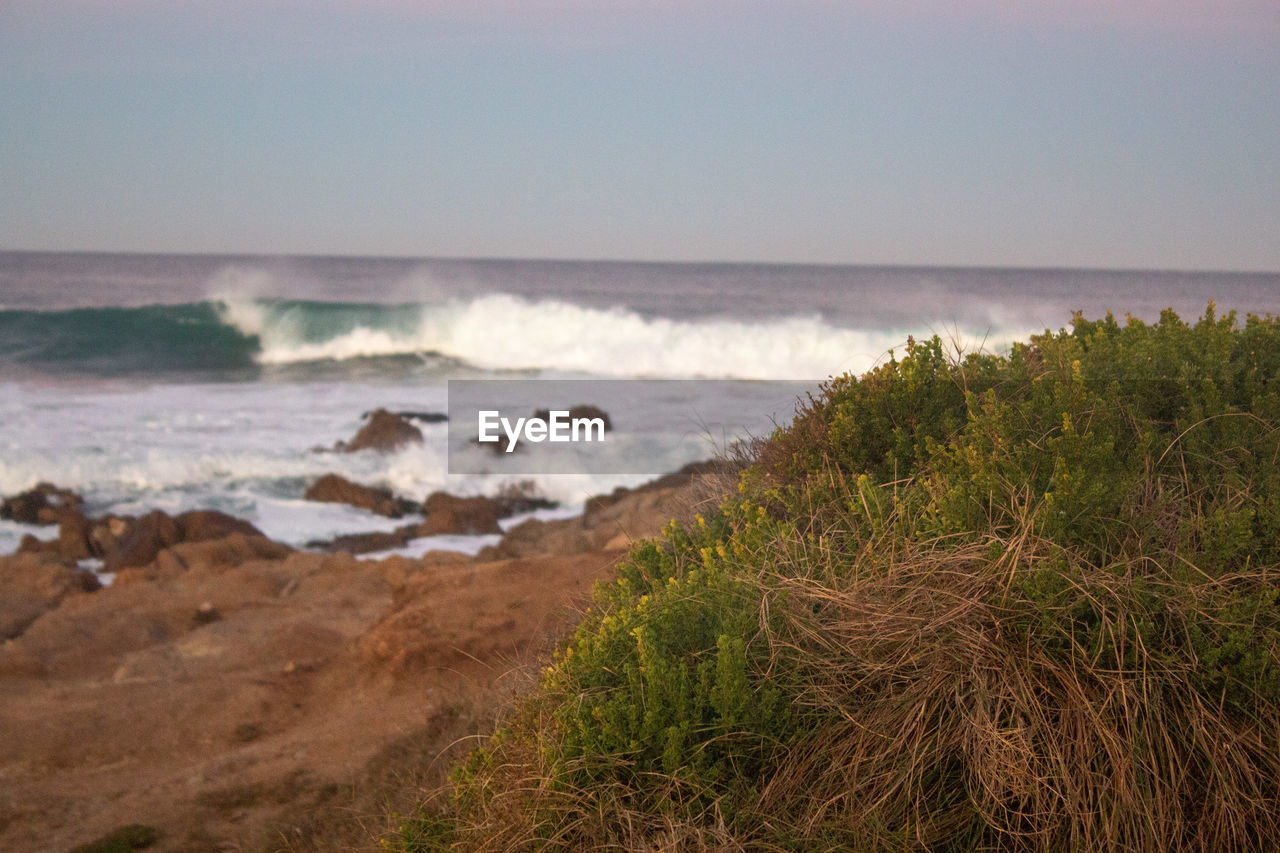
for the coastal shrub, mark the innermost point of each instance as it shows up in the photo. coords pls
(1015, 602)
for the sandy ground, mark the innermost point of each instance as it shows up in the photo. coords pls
(317, 685)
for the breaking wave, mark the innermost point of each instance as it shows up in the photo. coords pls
(493, 332)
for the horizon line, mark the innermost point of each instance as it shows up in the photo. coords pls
(975, 267)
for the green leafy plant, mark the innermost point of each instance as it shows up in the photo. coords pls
(1017, 602)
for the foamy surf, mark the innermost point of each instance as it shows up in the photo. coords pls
(504, 332)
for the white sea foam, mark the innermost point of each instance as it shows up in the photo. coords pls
(241, 448)
(505, 332)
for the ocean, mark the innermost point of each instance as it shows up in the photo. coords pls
(181, 382)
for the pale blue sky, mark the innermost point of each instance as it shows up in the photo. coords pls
(1055, 133)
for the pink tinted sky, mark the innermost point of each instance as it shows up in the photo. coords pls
(1082, 133)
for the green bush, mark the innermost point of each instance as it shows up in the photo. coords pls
(992, 602)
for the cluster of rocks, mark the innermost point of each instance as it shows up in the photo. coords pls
(44, 504)
(41, 574)
(244, 681)
(616, 520)
(442, 513)
(120, 541)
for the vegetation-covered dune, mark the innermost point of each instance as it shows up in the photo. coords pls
(1020, 602)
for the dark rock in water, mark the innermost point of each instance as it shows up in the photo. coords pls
(383, 432)
(425, 417)
(45, 504)
(334, 489)
(500, 446)
(449, 514)
(364, 543)
(201, 524)
(148, 536)
(576, 412)
(519, 498)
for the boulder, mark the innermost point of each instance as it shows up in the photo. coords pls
(449, 514)
(33, 585)
(44, 504)
(224, 552)
(201, 524)
(617, 519)
(147, 537)
(518, 498)
(106, 532)
(31, 545)
(575, 412)
(73, 536)
(568, 536)
(364, 543)
(383, 432)
(334, 489)
(72, 542)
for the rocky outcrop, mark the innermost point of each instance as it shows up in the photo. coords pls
(634, 516)
(201, 524)
(32, 585)
(449, 514)
(519, 498)
(147, 537)
(225, 705)
(215, 554)
(366, 543)
(120, 541)
(617, 519)
(446, 514)
(334, 489)
(156, 532)
(225, 690)
(460, 613)
(695, 473)
(106, 532)
(73, 536)
(575, 412)
(383, 432)
(44, 504)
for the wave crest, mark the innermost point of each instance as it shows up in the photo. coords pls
(504, 332)
(492, 332)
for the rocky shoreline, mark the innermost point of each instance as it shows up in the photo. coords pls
(232, 692)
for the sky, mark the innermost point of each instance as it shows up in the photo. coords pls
(1054, 133)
